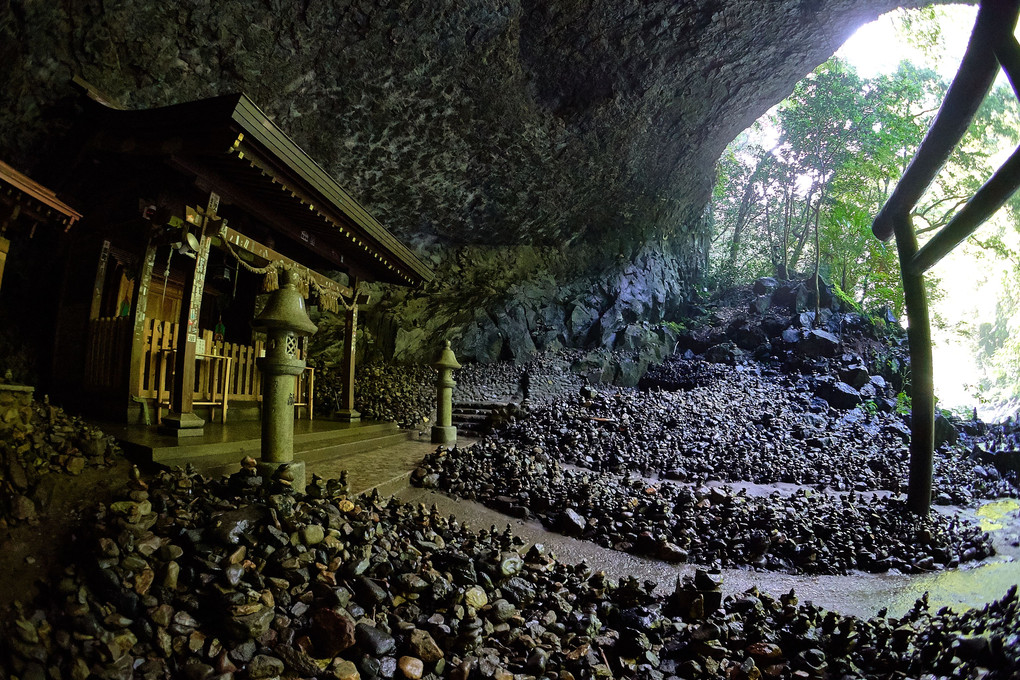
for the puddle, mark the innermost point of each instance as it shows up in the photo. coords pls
(857, 594)
(958, 588)
(993, 515)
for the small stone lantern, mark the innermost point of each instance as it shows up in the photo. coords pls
(443, 432)
(283, 321)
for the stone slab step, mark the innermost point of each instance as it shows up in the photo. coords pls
(249, 443)
(342, 449)
(322, 451)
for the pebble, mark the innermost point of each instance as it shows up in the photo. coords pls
(50, 443)
(395, 590)
(411, 667)
(424, 646)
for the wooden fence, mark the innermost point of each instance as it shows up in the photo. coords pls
(243, 381)
(224, 371)
(107, 353)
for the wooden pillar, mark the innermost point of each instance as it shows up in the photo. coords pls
(5, 247)
(182, 421)
(347, 411)
(922, 384)
(136, 371)
(97, 287)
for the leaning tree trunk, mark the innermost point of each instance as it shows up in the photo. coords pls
(922, 387)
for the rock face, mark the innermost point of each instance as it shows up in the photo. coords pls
(589, 129)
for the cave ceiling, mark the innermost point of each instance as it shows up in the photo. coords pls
(469, 122)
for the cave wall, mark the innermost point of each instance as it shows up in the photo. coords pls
(552, 158)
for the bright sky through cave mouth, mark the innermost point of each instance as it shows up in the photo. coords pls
(878, 48)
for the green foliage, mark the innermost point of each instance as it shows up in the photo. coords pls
(922, 28)
(841, 143)
(870, 407)
(845, 300)
(903, 403)
(675, 326)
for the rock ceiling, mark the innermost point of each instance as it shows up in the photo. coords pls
(469, 122)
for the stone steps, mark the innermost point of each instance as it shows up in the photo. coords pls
(473, 418)
(222, 447)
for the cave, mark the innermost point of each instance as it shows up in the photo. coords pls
(504, 201)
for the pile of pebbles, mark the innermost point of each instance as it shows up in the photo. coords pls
(405, 394)
(742, 425)
(545, 378)
(186, 577)
(39, 441)
(996, 446)
(805, 532)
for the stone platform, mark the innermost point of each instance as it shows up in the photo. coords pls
(222, 446)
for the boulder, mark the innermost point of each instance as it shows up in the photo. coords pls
(745, 334)
(838, 394)
(481, 342)
(513, 327)
(817, 343)
(571, 523)
(760, 304)
(792, 295)
(855, 375)
(765, 286)
(945, 431)
(723, 353)
(583, 316)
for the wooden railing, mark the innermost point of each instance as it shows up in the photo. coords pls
(225, 372)
(107, 352)
(992, 44)
(243, 380)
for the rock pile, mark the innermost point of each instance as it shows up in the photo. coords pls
(37, 441)
(804, 532)
(405, 394)
(847, 358)
(548, 377)
(996, 446)
(740, 424)
(186, 577)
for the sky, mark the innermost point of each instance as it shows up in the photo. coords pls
(879, 47)
(971, 289)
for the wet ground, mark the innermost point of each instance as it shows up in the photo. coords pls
(857, 594)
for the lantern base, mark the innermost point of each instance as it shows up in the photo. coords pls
(444, 434)
(182, 425)
(267, 469)
(347, 416)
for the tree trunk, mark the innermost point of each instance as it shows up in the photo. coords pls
(746, 200)
(805, 231)
(783, 270)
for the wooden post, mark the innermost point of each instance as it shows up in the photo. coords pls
(922, 385)
(136, 371)
(182, 421)
(5, 247)
(347, 411)
(97, 287)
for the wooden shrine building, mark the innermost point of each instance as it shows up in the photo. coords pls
(190, 212)
(24, 205)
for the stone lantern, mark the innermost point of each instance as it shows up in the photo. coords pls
(283, 320)
(443, 432)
